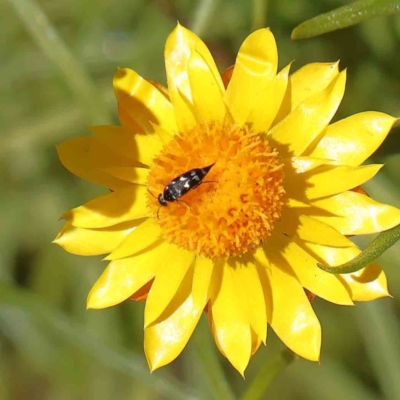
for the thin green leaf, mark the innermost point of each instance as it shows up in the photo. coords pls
(212, 368)
(260, 383)
(377, 247)
(203, 15)
(380, 330)
(52, 45)
(344, 17)
(259, 14)
(6, 372)
(78, 336)
(331, 380)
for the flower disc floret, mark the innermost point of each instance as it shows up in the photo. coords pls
(238, 202)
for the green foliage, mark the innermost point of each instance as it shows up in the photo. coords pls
(385, 240)
(58, 59)
(345, 16)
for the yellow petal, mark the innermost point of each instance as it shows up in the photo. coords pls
(327, 180)
(124, 277)
(311, 230)
(288, 255)
(327, 255)
(163, 135)
(246, 277)
(255, 342)
(352, 140)
(308, 80)
(127, 120)
(143, 101)
(293, 318)
(169, 277)
(268, 103)
(129, 174)
(264, 271)
(255, 67)
(92, 242)
(203, 268)
(77, 156)
(367, 284)
(142, 148)
(207, 91)
(303, 164)
(111, 209)
(144, 236)
(180, 45)
(352, 213)
(161, 88)
(229, 320)
(165, 339)
(295, 133)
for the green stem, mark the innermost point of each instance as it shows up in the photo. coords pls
(259, 14)
(378, 246)
(47, 38)
(212, 368)
(260, 383)
(203, 15)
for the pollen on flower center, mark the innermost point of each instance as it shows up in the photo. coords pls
(234, 208)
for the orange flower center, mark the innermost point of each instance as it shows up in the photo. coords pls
(234, 208)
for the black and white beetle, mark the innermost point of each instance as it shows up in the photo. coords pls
(182, 184)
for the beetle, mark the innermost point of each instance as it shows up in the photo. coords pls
(182, 184)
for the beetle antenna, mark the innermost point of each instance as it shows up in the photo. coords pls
(151, 193)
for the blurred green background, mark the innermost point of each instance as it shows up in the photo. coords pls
(58, 59)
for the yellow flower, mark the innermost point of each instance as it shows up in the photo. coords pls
(245, 245)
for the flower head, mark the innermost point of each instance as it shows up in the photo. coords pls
(243, 241)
